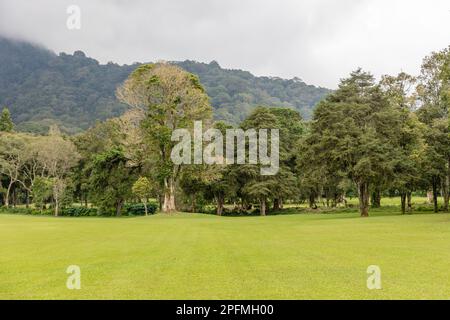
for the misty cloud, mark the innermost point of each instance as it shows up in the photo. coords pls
(319, 41)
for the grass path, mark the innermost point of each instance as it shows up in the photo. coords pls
(206, 257)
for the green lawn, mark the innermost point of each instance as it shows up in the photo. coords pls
(309, 256)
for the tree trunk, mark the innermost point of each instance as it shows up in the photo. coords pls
(169, 196)
(344, 200)
(312, 201)
(146, 210)
(435, 194)
(169, 202)
(263, 206)
(364, 197)
(319, 197)
(445, 191)
(8, 191)
(403, 200)
(430, 197)
(14, 197)
(335, 200)
(193, 203)
(27, 199)
(276, 204)
(56, 207)
(119, 208)
(376, 198)
(220, 201)
(409, 200)
(160, 201)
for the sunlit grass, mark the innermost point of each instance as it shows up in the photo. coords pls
(190, 256)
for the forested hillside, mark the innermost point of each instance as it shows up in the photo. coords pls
(42, 88)
(234, 92)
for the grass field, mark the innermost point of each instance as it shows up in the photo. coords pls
(308, 256)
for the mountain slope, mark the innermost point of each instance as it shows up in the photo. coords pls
(235, 92)
(73, 91)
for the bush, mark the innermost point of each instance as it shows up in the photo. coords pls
(15, 210)
(424, 208)
(79, 212)
(28, 211)
(128, 210)
(138, 209)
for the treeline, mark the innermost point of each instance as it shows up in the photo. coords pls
(367, 138)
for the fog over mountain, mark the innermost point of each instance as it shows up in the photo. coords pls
(318, 40)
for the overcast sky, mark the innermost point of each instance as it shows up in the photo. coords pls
(319, 41)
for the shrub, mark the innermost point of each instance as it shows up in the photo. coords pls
(424, 208)
(15, 210)
(128, 210)
(28, 211)
(79, 212)
(138, 209)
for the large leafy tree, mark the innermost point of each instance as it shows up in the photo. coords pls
(143, 189)
(220, 185)
(218, 180)
(257, 186)
(57, 156)
(292, 128)
(351, 134)
(111, 180)
(401, 94)
(13, 150)
(434, 94)
(124, 134)
(171, 99)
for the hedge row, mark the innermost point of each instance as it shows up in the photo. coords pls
(128, 210)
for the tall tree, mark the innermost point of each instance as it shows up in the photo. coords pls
(143, 189)
(351, 133)
(57, 156)
(42, 191)
(434, 91)
(6, 124)
(171, 99)
(111, 180)
(401, 94)
(12, 159)
(219, 181)
(258, 186)
(292, 129)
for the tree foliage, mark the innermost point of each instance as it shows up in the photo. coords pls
(6, 124)
(171, 99)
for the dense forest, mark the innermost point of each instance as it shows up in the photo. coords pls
(367, 139)
(73, 91)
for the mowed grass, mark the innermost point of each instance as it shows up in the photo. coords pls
(188, 256)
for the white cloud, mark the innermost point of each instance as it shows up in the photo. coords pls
(320, 41)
